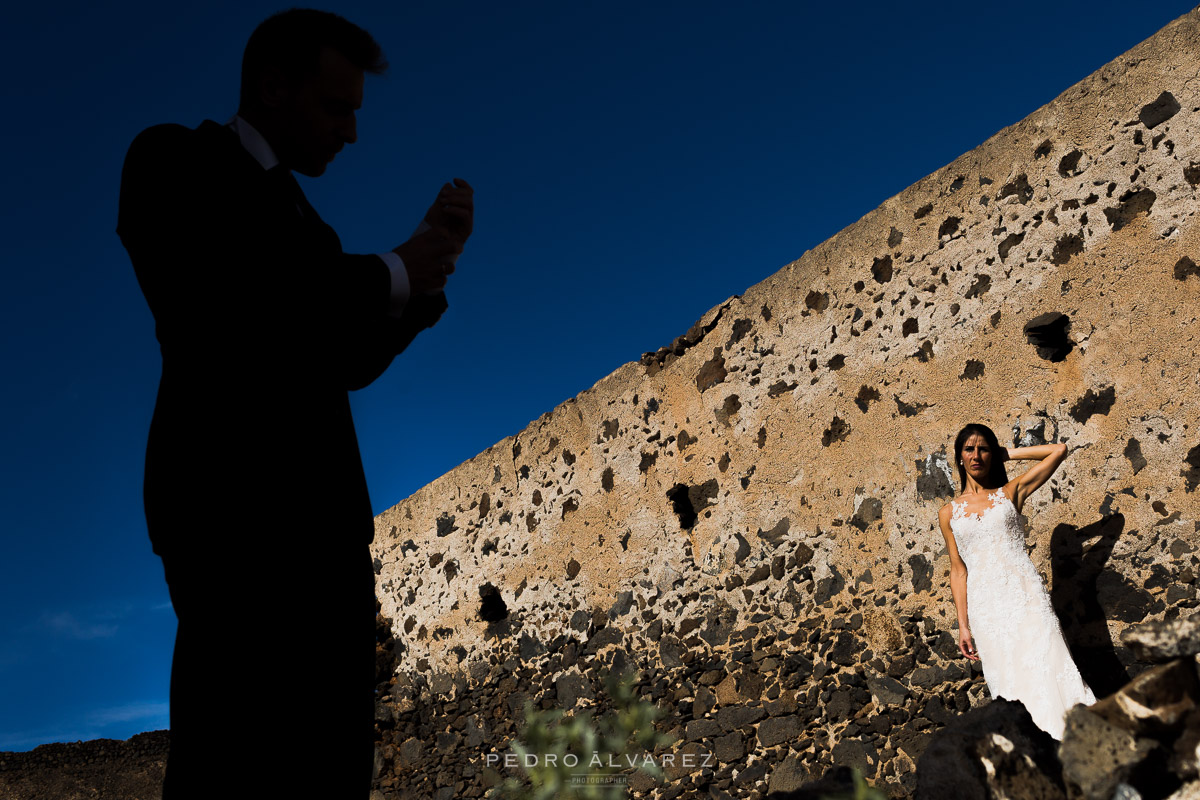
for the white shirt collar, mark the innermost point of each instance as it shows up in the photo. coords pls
(254, 142)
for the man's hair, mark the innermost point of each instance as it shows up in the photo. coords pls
(292, 41)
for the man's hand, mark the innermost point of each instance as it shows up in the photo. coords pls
(454, 210)
(428, 259)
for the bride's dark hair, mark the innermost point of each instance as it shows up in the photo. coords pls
(998, 475)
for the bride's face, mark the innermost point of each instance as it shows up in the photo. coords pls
(976, 457)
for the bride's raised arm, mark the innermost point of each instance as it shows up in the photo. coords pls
(1048, 456)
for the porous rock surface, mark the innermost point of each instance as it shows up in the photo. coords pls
(748, 515)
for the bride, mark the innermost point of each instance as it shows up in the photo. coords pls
(1019, 639)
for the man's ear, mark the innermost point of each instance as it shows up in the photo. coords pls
(273, 87)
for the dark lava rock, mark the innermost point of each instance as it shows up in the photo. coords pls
(1162, 641)
(753, 773)
(777, 730)
(734, 717)
(846, 649)
(1123, 601)
(870, 510)
(933, 477)
(570, 688)
(856, 753)
(730, 748)
(887, 691)
(1097, 755)
(1026, 764)
(922, 572)
(702, 729)
(836, 782)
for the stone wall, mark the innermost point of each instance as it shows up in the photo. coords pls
(748, 515)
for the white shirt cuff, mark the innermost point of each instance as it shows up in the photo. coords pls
(400, 289)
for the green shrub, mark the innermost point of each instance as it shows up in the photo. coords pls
(603, 749)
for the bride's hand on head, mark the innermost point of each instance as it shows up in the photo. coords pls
(966, 645)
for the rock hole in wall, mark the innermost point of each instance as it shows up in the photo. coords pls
(1010, 241)
(1130, 205)
(1159, 111)
(1067, 246)
(837, 431)
(816, 301)
(972, 370)
(688, 501)
(740, 328)
(881, 269)
(866, 394)
(571, 505)
(1049, 333)
(909, 409)
(1093, 403)
(1018, 187)
(979, 286)
(949, 227)
(712, 373)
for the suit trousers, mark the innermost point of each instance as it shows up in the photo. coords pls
(272, 681)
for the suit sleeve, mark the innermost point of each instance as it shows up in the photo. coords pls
(232, 275)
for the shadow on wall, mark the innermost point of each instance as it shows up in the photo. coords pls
(1086, 595)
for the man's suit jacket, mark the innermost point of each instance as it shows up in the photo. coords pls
(264, 325)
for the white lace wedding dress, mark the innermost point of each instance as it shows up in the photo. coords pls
(1018, 637)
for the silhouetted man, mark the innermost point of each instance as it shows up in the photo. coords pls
(255, 495)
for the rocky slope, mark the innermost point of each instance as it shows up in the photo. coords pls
(101, 768)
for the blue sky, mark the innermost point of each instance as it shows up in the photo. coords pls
(634, 164)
